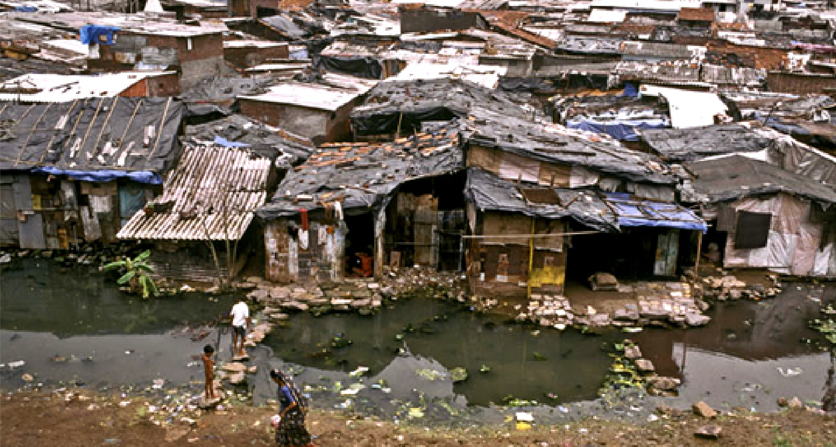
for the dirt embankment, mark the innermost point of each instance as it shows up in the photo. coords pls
(85, 419)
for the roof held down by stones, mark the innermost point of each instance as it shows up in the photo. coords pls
(406, 104)
(557, 144)
(360, 175)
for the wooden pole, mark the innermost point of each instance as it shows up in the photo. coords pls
(530, 259)
(697, 263)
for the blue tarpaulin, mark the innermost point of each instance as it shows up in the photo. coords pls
(632, 212)
(623, 130)
(221, 141)
(104, 175)
(26, 9)
(90, 34)
(630, 90)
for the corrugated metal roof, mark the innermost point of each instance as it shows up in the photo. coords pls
(48, 87)
(212, 194)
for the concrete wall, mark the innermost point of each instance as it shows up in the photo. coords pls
(288, 260)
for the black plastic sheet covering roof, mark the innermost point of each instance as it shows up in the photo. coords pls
(406, 104)
(285, 148)
(490, 193)
(219, 94)
(127, 134)
(736, 176)
(286, 26)
(557, 144)
(680, 145)
(361, 175)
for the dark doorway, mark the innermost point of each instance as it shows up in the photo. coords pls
(359, 245)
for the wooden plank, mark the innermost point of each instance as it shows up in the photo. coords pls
(30, 225)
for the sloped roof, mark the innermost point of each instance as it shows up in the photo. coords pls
(735, 176)
(411, 102)
(557, 144)
(593, 208)
(124, 134)
(212, 194)
(48, 87)
(359, 175)
(679, 145)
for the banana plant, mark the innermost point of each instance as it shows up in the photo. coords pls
(137, 274)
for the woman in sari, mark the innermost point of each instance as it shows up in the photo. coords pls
(291, 430)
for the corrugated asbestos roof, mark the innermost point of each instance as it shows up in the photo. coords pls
(47, 87)
(212, 194)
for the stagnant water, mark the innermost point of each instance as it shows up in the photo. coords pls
(748, 356)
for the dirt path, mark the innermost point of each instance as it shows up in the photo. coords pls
(33, 419)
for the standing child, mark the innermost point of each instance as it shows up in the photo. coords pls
(209, 371)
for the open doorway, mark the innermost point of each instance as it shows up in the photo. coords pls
(359, 245)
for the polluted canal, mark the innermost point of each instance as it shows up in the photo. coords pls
(73, 326)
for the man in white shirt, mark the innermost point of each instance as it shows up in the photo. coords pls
(241, 322)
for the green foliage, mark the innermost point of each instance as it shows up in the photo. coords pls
(136, 273)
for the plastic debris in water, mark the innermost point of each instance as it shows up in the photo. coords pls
(359, 371)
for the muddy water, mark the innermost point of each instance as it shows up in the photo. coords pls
(748, 356)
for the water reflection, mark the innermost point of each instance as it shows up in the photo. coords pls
(41, 296)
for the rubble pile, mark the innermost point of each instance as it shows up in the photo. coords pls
(728, 287)
(551, 310)
(362, 295)
(654, 304)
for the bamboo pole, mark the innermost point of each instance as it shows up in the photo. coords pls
(530, 259)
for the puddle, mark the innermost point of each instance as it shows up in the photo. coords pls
(749, 355)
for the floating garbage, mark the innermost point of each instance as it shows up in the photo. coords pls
(16, 364)
(790, 372)
(430, 374)
(415, 413)
(484, 369)
(359, 371)
(523, 416)
(458, 374)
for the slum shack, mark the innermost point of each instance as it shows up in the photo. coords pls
(318, 111)
(764, 216)
(199, 224)
(77, 171)
(353, 207)
(546, 201)
(119, 42)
